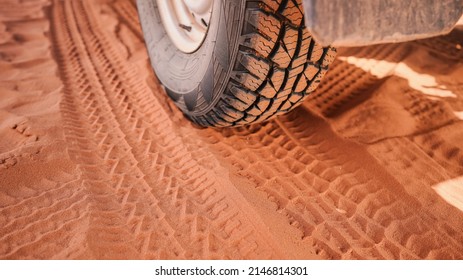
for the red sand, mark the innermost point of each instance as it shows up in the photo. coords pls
(96, 162)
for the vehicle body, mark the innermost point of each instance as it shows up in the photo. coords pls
(236, 62)
(366, 22)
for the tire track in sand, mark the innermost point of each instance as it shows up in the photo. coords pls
(148, 192)
(342, 205)
(42, 205)
(334, 192)
(448, 47)
(347, 85)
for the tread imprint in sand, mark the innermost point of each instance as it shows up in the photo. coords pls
(114, 126)
(341, 207)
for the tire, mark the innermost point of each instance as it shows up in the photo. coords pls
(257, 61)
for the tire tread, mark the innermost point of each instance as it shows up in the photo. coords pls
(277, 66)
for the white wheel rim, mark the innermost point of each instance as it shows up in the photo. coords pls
(186, 22)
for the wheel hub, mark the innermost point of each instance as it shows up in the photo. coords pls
(186, 22)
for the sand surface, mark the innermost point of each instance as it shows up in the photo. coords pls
(96, 162)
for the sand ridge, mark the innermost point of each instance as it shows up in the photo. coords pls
(96, 162)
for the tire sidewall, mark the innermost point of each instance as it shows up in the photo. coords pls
(186, 77)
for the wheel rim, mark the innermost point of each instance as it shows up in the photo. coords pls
(186, 22)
